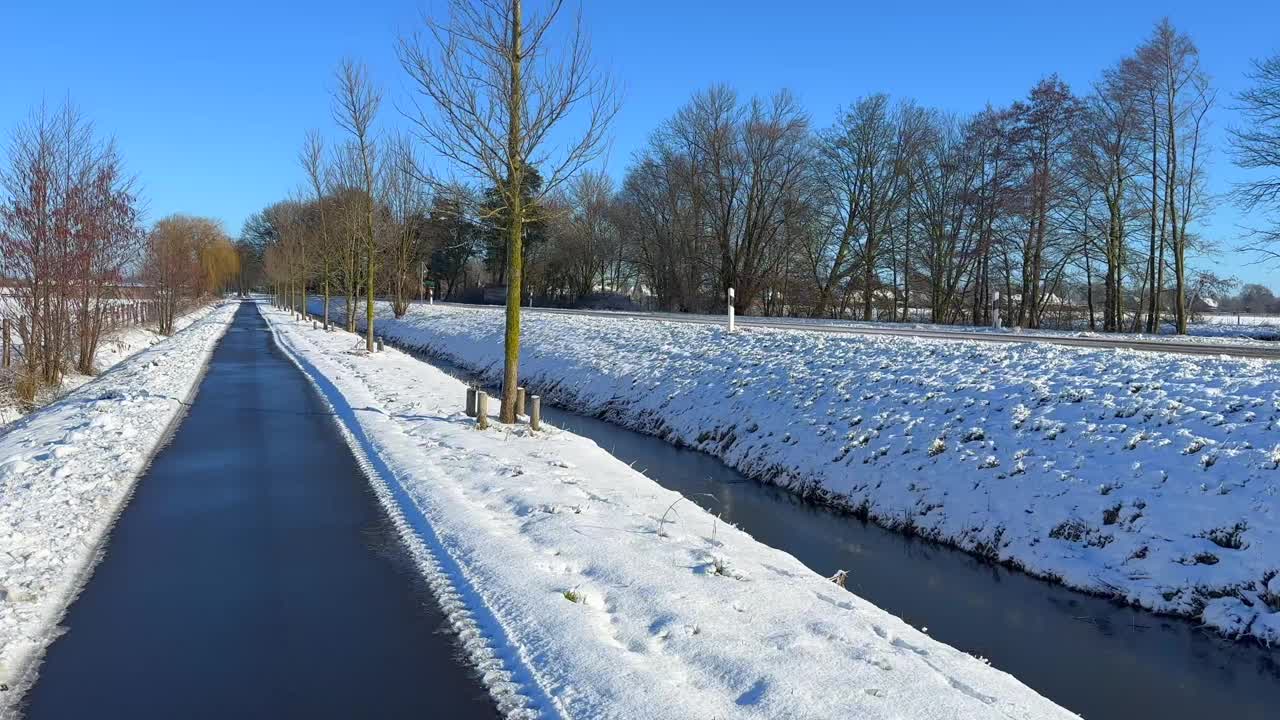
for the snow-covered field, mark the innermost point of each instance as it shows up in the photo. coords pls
(116, 345)
(67, 469)
(1154, 478)
(1248, 327)
(1264, 331)
(585, 590)
(1241, 319)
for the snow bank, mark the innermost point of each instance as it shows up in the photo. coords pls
(115, 346)
(66, 471)
(585, 590)
(1143, 476)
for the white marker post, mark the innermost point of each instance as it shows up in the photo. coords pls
(995, 310)
(730, 309)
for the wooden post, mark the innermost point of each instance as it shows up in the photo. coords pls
(5, 362)
(482, 409)
(535, 412)
(379, 343)
(519, 401)
(471, 401)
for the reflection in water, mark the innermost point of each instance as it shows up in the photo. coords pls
(1096, 657)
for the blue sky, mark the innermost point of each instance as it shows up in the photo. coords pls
(209, 101)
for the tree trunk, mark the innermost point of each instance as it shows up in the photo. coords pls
(515, 259)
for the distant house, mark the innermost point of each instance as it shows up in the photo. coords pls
(1204, 304)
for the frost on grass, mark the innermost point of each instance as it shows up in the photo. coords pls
(1040, 441)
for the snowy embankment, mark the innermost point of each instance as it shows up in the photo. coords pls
(582, 589)
(1154, 478)
(67, 470)
(116, 345)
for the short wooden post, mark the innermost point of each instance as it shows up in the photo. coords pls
(535, 412)
(5, 362)
(471, 401)
(519, 401)
(482, 409)
(379, 343)
(315, 325)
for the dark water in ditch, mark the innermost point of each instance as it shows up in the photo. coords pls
(1095, 657)
(255, 575)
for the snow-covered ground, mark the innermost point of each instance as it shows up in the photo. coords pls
(116, 345)
(1150, 477)
(1243, 327)
(67, 469)
(585, 590)
(1264, 331)
(1241, 319)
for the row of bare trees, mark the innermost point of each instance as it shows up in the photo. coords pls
(73, 247)
(187, 258)
(1060, 197)
(69, 226)
(1062, 207)
(492, 91)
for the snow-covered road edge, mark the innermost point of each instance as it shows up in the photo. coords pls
(116, 346)
(507, 678)
(550, 543)
(68, 470)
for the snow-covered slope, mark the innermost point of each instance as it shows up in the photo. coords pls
(585, 590)
(1149, 477)
(66, 471)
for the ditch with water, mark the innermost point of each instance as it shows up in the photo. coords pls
(1096, 657)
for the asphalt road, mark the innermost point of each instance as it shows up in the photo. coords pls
(255, 575)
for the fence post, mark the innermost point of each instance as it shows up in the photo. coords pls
(535, 412)
(730, 309)
(6, 343)
(379, 343)
(519, 401)
(482, 409)
(471, 401)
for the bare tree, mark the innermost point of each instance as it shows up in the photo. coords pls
(1256, 146)
(407, 202)
(1173, 62)
(355, 105)
(496, 91)
(312, 159)
(866, 161)
(1107, 160)
(1044, 127)
(69, 228)
(173, 265)
(587, 233)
